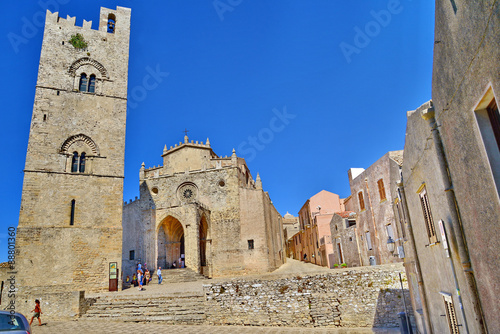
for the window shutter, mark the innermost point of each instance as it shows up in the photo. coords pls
(429, 223)
(451, 315)
(368, 240)
(361, 201)
(381, 189)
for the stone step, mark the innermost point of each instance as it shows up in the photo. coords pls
(178, 310)
(145, 312)
(178, 275)
(146, 301)
(174, 319)
(172, 309)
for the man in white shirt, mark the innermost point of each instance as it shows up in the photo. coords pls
(159, 275)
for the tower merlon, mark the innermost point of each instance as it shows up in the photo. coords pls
(120, 16)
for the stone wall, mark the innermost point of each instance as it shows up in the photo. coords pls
(360, 297)
(345, 236)
(60, 304)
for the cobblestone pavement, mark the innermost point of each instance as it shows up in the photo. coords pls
(114, 327)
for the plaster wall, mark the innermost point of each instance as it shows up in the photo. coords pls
(465, 66)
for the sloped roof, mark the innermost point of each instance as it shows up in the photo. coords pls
(346, 214)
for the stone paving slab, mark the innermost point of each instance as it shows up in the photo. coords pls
(115, 327)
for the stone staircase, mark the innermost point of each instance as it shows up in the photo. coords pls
(179, 309)
(177, 276)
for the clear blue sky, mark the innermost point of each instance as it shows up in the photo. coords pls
(234, 65)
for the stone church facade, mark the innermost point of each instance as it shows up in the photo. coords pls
(207, 211)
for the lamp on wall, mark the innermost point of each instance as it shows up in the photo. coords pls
(390, 244)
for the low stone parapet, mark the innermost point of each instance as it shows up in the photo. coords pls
(361, 297)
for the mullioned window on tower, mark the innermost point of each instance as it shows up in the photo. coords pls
(78, 163)
(87, 85)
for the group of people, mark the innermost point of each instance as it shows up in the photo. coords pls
(142, 276)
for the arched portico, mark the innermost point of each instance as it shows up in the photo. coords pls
(170, 241)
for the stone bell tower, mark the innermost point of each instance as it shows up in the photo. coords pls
(70, 224)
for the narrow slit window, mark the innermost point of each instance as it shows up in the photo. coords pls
(250, 244)
(72, 217)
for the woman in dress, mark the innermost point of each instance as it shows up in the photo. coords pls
(139, 279)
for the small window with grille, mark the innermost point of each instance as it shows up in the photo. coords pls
(250, 244)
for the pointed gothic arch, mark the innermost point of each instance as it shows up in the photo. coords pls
(170, 242)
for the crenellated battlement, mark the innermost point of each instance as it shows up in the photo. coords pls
(120, 17)
(130, 201)
(55, 19)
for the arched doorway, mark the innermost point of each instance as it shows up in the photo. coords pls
(170, 242)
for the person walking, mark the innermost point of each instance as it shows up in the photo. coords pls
(37, 311)
(139, 279)
(160, 278)
(147, 275)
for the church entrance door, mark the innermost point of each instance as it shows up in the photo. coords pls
(170, 243)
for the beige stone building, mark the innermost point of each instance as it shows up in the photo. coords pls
(344, 238)
(290, 228)
(372, 200)
(451, 177)
(205, 210)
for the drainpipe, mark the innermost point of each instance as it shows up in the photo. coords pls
(455, 221)
(375, 234)
(421, 287)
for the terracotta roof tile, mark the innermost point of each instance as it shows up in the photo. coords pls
(346, 214)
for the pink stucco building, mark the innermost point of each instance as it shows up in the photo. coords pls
(313, 243)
